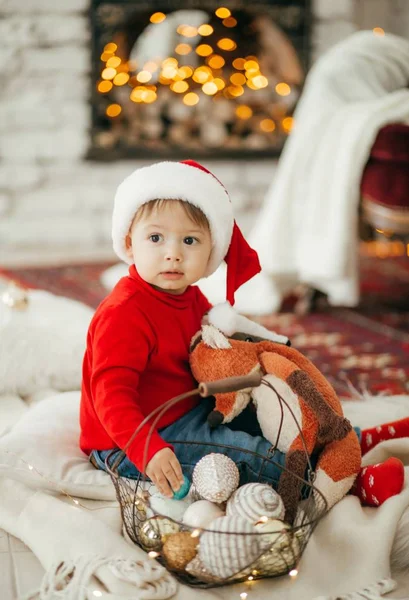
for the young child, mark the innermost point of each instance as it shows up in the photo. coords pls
(174, 224)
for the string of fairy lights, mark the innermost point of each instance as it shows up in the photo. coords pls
(52, 484)
(188, 81)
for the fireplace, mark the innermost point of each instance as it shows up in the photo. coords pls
(172, 79)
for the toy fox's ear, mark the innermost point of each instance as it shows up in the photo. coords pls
(214, 338)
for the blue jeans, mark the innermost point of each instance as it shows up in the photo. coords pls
(243, 434)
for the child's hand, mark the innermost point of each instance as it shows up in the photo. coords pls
(165, 471)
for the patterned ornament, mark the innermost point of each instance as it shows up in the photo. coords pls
(215, 477)
(282, 548)
(15, 296)
(202, 513)
(153, 532)
(230, 547)
(179, 549)
(255, 500)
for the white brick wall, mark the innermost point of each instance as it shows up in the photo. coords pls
(54, 205)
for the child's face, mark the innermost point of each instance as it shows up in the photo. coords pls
(170, 251)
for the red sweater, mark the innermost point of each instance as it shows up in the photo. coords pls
(137, 357)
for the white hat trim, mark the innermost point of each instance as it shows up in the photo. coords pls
(174, 180)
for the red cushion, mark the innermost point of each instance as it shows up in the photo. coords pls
(386, 183)
(385, 179)
(392, 143)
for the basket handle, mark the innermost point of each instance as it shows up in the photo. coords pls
(230, 384)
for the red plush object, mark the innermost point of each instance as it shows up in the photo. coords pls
(385, 179)
(387, 431)
(377, 483)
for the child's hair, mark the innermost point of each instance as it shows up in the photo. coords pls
(193, 212)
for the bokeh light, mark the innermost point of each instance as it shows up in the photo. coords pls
(113, 110)
(157, 17)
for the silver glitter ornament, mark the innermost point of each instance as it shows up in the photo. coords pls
(193, 494)
(215, 477)
(255, 500)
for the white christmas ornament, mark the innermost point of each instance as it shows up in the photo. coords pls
(201, 514)
(224, 551)
(282, 547)
(169, 507)
(273, 530)
(255, 500)
(215, 477)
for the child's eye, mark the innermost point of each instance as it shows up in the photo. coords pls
(190, 240)
(155, 238)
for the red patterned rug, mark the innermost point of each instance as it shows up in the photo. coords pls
(367, 347)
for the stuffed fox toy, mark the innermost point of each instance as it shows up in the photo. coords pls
(307, 402)
(313, 402)
(311, 399)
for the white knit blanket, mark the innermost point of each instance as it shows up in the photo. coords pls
(306, 231)
(348, 553)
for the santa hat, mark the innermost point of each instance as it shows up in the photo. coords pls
(189, 181)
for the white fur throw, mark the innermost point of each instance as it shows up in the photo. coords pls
(349, 550)
(42, 346)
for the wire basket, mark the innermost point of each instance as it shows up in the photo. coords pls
(238, 555)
